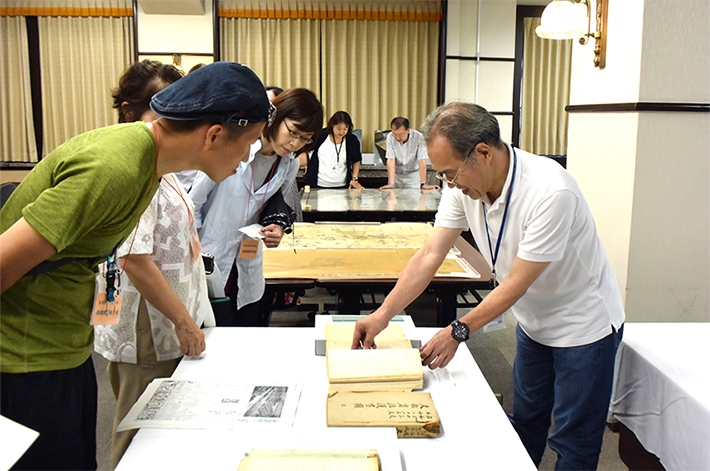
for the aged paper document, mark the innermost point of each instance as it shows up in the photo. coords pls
(412, 413)
(307, 460)
(169, 403)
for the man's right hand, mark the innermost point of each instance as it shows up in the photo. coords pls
(387, 187)
(367, 328)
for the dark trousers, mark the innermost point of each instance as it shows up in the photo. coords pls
(60, 405)
(248, 316)
(573, 385)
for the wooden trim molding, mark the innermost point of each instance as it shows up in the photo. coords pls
(640, 106)
(331, 15)
(66, 11)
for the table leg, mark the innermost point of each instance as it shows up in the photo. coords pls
(445, 305)
(348, 301)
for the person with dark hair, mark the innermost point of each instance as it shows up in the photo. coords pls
(549, 268)
(272, 92)
(73, 211)
(137, 86)
(221, 209)
(335, 162)
(406, 157)
(164, 293)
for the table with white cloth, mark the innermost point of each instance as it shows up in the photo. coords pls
(476, 432)
(662, 392)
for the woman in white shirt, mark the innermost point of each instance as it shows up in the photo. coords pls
(221, 209)
(335, 162)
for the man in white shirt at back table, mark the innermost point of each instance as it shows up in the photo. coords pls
(406, 157)
(537, 233)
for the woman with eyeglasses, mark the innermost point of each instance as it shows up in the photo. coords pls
(335, 162)
(248, 197)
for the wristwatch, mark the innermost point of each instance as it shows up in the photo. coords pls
(459, 331)
(354, 179)
(421, 185)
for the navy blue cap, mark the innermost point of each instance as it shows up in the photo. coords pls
(223, 91)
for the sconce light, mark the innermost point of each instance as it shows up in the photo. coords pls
(564, 19)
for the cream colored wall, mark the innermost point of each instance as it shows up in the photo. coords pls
(9, 175)
(646, 174)
(176, 33)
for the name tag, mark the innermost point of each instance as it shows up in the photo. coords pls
(249, 248)
(105, 312)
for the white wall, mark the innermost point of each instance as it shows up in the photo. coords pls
(646, 174)
(176, 33)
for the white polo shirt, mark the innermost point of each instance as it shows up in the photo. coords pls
(576, 299)
(407, 154)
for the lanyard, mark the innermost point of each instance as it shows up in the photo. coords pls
(494, 256)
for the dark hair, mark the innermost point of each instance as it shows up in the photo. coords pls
(138, 84)
(399, 121)
(340, 117)
(277, 90)
(196, 67)
(464, 125)
(301, 106)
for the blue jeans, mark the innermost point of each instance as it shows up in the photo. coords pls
(573, 384)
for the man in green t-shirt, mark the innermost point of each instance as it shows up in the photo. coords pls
(75, 208)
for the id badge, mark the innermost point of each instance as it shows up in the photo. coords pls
(496, 324)
(249, 248)
(104, 312)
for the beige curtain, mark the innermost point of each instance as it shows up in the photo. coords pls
(17, 135)
(284, 53)
(374, 59)
(546, 85)
(82, 59)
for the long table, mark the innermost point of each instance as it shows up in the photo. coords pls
(476, 431)
(351, 259)
(662, 394)
(369, 204)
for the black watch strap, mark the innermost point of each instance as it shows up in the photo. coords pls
(459, 331)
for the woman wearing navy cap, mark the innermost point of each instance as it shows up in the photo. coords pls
(70, 213)
(222, 208)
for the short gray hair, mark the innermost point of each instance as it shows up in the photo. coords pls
(464, 125)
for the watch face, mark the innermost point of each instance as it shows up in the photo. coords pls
(459, 331)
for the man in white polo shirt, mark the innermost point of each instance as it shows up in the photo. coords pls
(406, 157)
(536, 231)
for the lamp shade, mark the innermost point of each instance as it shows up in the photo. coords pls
(563, 19)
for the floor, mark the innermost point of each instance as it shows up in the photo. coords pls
(493, 351)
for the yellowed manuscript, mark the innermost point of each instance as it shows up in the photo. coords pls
(340, 337)
(413, 414)
(305, 460)
(393, 369)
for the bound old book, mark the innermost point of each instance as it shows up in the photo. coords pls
(322, 460)
(412, 413)
(340, 337)
(396, 369)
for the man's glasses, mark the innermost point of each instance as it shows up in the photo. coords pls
(296, 135)
(442, 175)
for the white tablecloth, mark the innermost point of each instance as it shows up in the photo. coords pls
(476, 432)
(662, 391)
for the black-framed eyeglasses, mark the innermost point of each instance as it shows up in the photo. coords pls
(296, 135)
(442, 176)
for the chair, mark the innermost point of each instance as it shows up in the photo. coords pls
(6, 190)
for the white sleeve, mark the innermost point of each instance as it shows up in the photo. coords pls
(390, 146)
(421, 150)
(451, 212)
(200, 193)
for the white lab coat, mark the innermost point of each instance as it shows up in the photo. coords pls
(222, 208)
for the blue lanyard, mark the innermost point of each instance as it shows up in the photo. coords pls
(494, 256)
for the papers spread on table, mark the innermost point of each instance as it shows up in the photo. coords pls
(16, 439)
(412, 413)
(169, 403)
(396, 369)
(321, 460)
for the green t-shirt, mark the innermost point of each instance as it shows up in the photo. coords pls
(85, 197)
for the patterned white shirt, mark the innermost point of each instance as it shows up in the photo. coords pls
(165, 231)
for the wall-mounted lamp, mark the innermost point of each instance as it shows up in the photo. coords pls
(564, 19)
